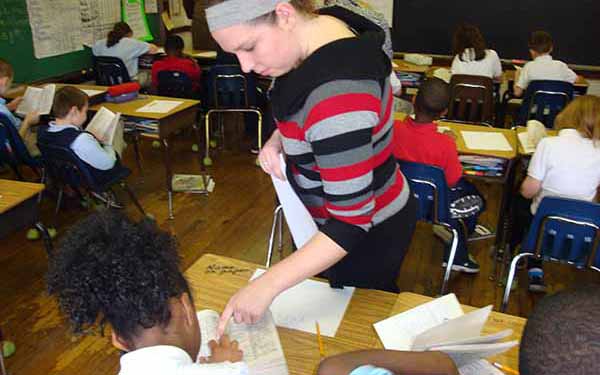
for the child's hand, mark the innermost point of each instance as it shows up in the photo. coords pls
(12, 106)
(32, 118)
(450, 134)
(225, 350)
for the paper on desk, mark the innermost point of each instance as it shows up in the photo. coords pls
(398, 332)
(159, 106)
(465, 354)
(206, 54)
(91, 93)
(526, 143)
(491, 141)
(311, 301)
(301, 224)
(481, 367)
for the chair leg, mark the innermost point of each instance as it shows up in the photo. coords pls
(46, 237)
(207, 161)
(509, 281)
(136, 148)
(280, 234)
(450, 262)
(2, 367)
(42, 181)
(133, 198)
(276, 216)
(59, 201)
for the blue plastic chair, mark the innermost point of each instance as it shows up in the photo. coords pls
(543, 101)
(110, 71)
(174, 84)
(13, 151)
(563, 230)
(429, 187)
(65, 168)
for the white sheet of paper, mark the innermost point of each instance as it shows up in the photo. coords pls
(526, 143)
(481, 367)
(308, 302)
(399, 331)
(485, 141)
(159, 106)
(302, 225)
(91, 93)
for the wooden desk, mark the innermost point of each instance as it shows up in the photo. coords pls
(19, 208)
(496, 323)
(181, 117)
(201, 54)
(404, 66)
(212, 290)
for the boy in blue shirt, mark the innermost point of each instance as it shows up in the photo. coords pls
(7, 109)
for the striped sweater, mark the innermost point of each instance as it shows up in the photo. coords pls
(334, 113)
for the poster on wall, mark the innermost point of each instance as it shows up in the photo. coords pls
(134, 14)
(98, 18)
(51, 38)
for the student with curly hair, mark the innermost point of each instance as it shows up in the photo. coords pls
(109, 269)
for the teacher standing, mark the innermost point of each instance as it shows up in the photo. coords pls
(332, 102)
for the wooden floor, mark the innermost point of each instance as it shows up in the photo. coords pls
(234, 221)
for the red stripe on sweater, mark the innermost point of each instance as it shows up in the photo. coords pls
(356, 170)
(386, 115)
(341, 104)
(318, 212)
(290, 129)
(353, 207)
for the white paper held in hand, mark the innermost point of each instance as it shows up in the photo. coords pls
(300, 222)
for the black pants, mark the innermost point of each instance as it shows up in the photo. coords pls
(376, 262)
(522, 222)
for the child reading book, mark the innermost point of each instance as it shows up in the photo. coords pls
(109, 269)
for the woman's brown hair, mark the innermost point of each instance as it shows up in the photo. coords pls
(119, 31)
(582, 114)
(468, 36)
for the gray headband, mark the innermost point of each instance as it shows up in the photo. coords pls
(235, 12)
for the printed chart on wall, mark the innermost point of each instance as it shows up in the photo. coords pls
(135, 15)
(98, 18)
(52, 38)
(386, 7)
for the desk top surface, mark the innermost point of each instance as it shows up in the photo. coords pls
(214, 279)
(130, 108)
(198, 53)
(462, 147)
(496, 323)
(13, 193)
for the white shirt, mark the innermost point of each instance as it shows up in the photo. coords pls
(545, 68)
(127, 49)
(171, 360)
(489, 66)
(88, 149)
(568, 166)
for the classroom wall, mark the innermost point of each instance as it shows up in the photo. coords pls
(427, 26)
(16, 46)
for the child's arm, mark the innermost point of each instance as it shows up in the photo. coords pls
(12, 106)
(224, 350)
(530, 187)
(91, 151)
(414, 363)
(32, 118)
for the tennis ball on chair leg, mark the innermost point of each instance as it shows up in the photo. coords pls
(33, 234)
(156, 144)
(8, 348)
(195, 148)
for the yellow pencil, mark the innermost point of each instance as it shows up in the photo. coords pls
(320, 340)
(507, 370)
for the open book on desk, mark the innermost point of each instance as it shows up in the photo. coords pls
(108, 129)
(37, 99)
(441, 325)
(259, 342)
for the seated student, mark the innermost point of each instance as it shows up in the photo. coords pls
(120, 43)
(561, 335)
(109, 269)
(471, 56)
(543, 67)
(70, 109)
(177, 62)
(387, 362)
(564, 166)
(419, 141)
(7, 109)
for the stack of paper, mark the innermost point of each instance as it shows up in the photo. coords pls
(491, 141)
(160, 106)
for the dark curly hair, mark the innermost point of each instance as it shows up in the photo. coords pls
(468, 36)
(111, 269)
(432, 98)
(562, 335)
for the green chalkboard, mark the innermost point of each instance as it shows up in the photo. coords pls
(16, 46)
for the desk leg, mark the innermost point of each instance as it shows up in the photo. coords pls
(169, 176)
(501, 246)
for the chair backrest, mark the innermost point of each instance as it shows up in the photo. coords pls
(471, 99)
(543, 100)
(14, 150)
(110, 71)
(566, 230)
(230, 87)
(428, 185)
(174, 84)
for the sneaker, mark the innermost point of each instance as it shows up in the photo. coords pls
(536, 280)
(470, 266)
